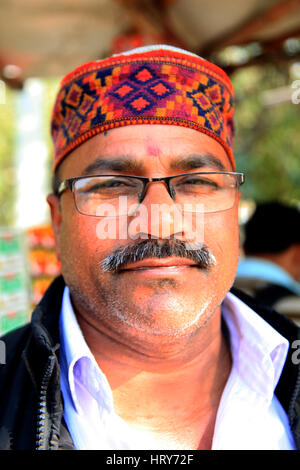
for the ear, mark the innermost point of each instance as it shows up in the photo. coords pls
(56, 218)
(297, 259)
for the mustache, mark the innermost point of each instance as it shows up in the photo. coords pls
(151, 248)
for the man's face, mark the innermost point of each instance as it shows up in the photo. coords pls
(153, 299)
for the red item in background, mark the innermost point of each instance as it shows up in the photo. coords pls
(43, 263)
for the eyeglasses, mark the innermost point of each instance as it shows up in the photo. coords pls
(122, 194)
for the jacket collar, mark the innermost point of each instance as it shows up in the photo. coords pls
(288, 387)
(44, 340)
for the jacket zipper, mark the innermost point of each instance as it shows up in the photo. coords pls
(293, 399)
(42, 418)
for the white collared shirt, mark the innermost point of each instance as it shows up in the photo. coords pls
(249, 415)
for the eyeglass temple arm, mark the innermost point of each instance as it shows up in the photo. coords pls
(241, 178)
(64, 185)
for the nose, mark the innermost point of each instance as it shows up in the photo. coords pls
(158, 216)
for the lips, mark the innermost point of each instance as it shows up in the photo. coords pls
(159, 264)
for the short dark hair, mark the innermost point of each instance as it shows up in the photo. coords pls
(55, 181)
(273, 228)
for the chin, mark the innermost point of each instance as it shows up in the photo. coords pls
(171, 316)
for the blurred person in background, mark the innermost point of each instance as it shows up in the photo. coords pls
(270, 270)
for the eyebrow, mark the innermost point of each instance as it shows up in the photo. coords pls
(128, 164)
(197, 160)
(125, 164)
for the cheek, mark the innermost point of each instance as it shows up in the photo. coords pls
(221, 235)
(80, 245)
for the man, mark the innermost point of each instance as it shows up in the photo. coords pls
(140, 345)
(270, 271)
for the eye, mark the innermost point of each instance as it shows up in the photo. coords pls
(111, 183)
(201, 182)
(195, 182)
(99, 184)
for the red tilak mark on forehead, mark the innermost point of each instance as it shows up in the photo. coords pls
(153, 150)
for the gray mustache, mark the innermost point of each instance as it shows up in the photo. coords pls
(151, 248)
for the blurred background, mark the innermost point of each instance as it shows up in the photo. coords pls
(257, 42)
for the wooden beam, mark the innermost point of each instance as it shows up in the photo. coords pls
(277, 58)
(148, 17)
(279, 40)
(15, 81)
(247, 31)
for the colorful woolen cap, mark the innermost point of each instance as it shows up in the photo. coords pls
(152, 85)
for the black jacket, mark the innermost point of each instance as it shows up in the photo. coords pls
(31, 406)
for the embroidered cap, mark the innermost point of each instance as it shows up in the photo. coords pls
(150, 85)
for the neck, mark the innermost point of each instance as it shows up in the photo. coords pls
(190, 387)
(175, 395)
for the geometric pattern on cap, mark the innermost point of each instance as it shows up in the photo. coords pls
(136, 90)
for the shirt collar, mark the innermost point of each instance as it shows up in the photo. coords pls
(79, 363)
(258, 352)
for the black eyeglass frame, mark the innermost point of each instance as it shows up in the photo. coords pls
(69, 182)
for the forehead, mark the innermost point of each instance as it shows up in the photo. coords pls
(146, 148)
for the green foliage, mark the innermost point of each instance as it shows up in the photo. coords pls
(50, 91)
(8, 123)
(267, 144)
